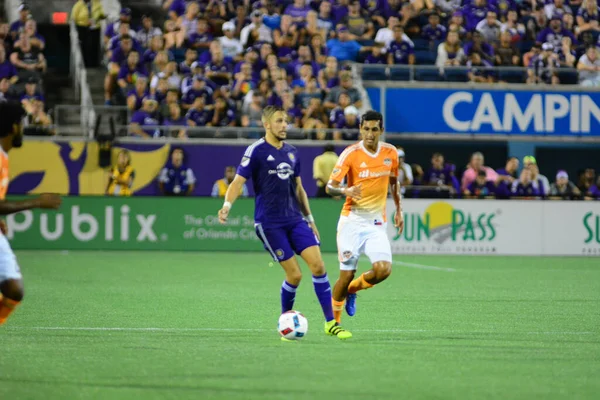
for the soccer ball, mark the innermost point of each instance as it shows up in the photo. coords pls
(292, 325)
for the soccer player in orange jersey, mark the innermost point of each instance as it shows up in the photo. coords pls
(371, 167)
(11, 280)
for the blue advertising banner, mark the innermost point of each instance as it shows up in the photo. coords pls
(492, 112)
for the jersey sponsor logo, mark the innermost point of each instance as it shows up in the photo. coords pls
(245, 161)
(368, 174)
(283, 171)
(387, 162)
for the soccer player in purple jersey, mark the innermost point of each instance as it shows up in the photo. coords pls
(282, 215)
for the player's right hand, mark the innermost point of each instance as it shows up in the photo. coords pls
(354, 192)
(49, 201)
(223, 214)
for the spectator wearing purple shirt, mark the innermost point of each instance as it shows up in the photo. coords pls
(219, 70)
(113, 28)
(31, 94)
(7, 69)
(199, 115)
(478, 45)
(476, 12)
(400, 51)
(200, 40)
(479, 70)
(376, 57)
(191, 56)
(175, 119)
(347, 127)
(524, 186)
(294, 113)
(19, 25)
(588, 16)
(336, 115)
(176, 8)
(223, 115)
(145, 117)
(136, 96)
(298, 11)
(198, 89)
(304, 56)
(251, 57)
(129, 72)
(555, 32)
(433, 31)
(506, 177)
(503, 7)
(594, 191)
(480, 187)
(440, 174)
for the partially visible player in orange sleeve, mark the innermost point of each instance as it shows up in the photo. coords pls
(11, 280)
(371, 167)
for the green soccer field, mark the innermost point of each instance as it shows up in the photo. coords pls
(153, 325)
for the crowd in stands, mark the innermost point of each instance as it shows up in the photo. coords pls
(22, 68)
(441, 179)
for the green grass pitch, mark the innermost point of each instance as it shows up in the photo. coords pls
(470, 328)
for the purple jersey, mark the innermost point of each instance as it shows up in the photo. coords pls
(130, 75)
(436, 177)
(296, 12)
(587, 17)
(503, 188)
(434, 33)
(336, 115)
(7, 70)
(549, 36)
(473, 15)
(487, 189)
(199, 117)
(524, 190)
(200, 38)
(222, 67)
(178, 6)
(119, 56)
(400, 51)
(485, 47)
(504, 6)
(145, 119)
(293, 68)
(35, 96)
(373, 59)
(273, 172)
(274, 100)
(190, 96)
(138, 99)
(226, 117)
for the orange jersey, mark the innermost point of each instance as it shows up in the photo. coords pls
(371, 171)
(3, 174)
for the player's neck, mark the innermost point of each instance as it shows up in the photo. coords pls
(273, 141)
(371, 149)
(6, 144)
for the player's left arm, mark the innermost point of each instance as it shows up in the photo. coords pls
(305, 206)
(395, 189)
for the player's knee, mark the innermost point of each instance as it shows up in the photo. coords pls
(294, 277)
(317, 267)
(13, 290)
(382, 270)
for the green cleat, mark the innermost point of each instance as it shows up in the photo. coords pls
(332, 328)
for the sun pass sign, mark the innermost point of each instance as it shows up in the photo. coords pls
(494, 112)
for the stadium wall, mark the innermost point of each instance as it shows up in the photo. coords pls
(432, 226)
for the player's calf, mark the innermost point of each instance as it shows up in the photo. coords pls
(12, 294)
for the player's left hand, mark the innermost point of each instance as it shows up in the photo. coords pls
(223, 214)
(399, 222)
(315, 230)
(3, 227)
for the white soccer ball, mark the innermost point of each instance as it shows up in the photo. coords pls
(292, 325)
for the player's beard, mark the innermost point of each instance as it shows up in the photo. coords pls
(281, 136)
(17, 141)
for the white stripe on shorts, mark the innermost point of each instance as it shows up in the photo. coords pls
(261, 233)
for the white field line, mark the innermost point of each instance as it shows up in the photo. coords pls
(117, 329)
(421, 266)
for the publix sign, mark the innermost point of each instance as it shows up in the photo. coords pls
(110, 225)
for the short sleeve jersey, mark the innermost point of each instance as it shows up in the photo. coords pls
(4, 179)
(372, 171)
(273, 172)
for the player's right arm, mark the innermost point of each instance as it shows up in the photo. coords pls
(233, 192)
(334, 187)
(46, 201)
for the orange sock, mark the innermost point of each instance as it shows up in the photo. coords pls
(359, 284)
(7, 306)
(338, 307)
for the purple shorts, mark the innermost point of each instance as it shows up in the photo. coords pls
(284, 240)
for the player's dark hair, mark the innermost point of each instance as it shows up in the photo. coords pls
(11, 113)
(372, 115)
(328, 147)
